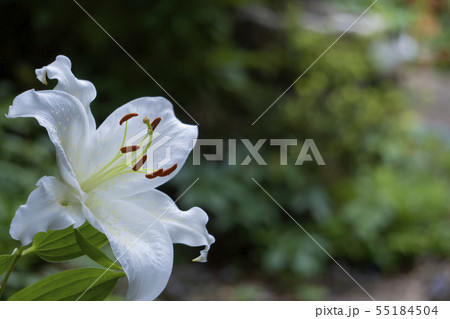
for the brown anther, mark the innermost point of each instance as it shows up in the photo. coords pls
(139, 163)
(127, 117)
(132, 148)
(169, 170)
(155, 123)
(154, 174)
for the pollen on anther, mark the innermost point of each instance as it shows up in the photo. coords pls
(155, 123)
(127, 117)
(154, 174)
(169, 170)
(139, 164)
(132, 148)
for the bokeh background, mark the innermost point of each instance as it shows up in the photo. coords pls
(376, 105)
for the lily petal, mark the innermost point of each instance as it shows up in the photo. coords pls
(48, 208)
(83, 90)
(184, 227)
(67, 125)
(172, 142)
(139, 242)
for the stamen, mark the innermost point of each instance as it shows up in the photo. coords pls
(169, 170)
(132, 148)
(154, 174)
(127, 117)
(155, 123)
(140, 163)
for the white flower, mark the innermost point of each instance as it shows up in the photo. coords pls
(109, 182)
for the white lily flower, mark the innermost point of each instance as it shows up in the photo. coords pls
(108, 182)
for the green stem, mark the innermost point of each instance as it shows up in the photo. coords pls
(28, 251)
(17, 255)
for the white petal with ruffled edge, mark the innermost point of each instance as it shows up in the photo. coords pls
(49, 207)
(184, 227)
(172, 143)
(83, 90)
(67, 125)
(140, 243)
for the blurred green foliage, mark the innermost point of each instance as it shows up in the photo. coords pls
(382, 199)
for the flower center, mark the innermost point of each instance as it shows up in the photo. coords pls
(134, 156)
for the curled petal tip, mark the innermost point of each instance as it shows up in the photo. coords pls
(41, 75)
(199, 260)
(203, 258)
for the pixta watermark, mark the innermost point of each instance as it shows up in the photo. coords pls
(240, 152)
(308, 151)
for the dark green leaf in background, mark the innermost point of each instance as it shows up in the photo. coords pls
(5, 261)
(70, 285)
(95, 253)
(60, 245)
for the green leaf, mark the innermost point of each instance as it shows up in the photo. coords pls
(60, 245)
(5, 261)
(95, 253)
(69, 285)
